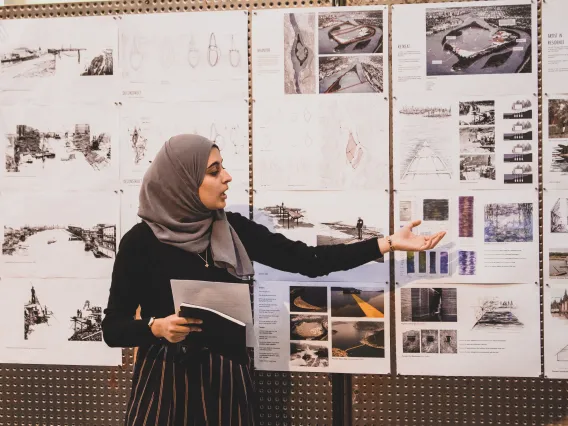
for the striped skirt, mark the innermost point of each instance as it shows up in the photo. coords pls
(208, 390)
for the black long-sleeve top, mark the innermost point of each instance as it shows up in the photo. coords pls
(144, 267)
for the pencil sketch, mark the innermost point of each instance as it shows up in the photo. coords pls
(234, 54)
(467, 262)
(558, 263)
(87, 324)
(136, 57)
(477, 113)
(308, 355)
(299, 59)
(350, 32)
(192, 53)
(351, 74)
(448, 341)
(558, 118)
(559, 216)
(139, 144)
(477, 140)
(496, 313)
(167, 54)
(466, 209)
(508, 222)
(428, 304)
(429, 341)
(353, 151)
(435, 209)
(520, 109)
(213, 51)
(562, 355)
(479, 40)
(358, 339)
(411, 342)
(477, 167)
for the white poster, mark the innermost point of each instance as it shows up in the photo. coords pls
(322, 327)
(325, 218)
(555, 141)
(556, 329)
(146, 126)
(465, 142)
(54, 321)
(555, 236)
(554, 47)
(320, 51)
(183, 56)
(60, 57)
(321, 143)
(472, 330)
(59, 234)
(466, 48)
(491, 237)
(71, 146)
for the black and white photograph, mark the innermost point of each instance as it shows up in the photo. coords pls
(358, 339)
(55, 321)
(351, 74)
(309, 327)
(71, 147)
(405, 211)
(508, 222)
(58, 47)
(497, 313)
(425, 141)
(448, 341)
(479, 113)
(411, 342)
(519, 109)
(350, 32)
(559, 216)
(428, 304)
(299, 53)
(304, 354)
(558, 118)
(473, 40)
(518, 158)
(357, 302)
(477, 167)
(559, 302)
(559, 157)
(42, 239)
(477, 140)
(308, 299)
(429, 341)
(558, 263)
(520, 130)
(518, 174)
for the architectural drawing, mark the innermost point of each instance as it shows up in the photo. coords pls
(558, 263)
(351, 74)
(466, 209)
(350, 32)
(234, 54)
(559, 216)
(428, 304)
(467, 262)
(558, 118)
(511, 222)
(299, 58)
(192, 53)
(213, 51)
(496, 313)
(477, 113)
(480, 40)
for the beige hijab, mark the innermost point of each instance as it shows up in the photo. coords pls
(170, 205)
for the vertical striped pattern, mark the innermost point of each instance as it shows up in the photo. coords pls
(210, 391)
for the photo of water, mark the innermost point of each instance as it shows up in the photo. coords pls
(364, 339)
(357, 302)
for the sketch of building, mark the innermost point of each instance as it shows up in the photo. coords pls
(511, 222)
(299, 58)
(559, 216)
(426, 162)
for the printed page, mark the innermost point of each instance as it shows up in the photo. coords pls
(491, 238)
(555, 236)
(60, 58)
(55, 321)
(465, 142)
(320, 51)
(67, 147)
(184, 56)
(325, 218)
(468, 330)
(556, 328)
(473, 48)
(322, 327)
(554, 47)
(59, 234)
(555, 141)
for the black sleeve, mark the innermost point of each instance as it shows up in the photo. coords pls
(120, 328)
(277, 251)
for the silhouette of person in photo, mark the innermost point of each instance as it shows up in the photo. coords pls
(360, 228)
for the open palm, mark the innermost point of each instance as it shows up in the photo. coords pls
(405, 240)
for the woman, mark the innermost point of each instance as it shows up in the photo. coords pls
(186, 234)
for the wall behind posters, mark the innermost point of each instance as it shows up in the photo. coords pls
(86, 395)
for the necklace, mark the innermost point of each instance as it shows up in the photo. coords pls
(205, 260)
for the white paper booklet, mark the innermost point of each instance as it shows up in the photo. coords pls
(322, 327)
(468, 330)
(554, 47)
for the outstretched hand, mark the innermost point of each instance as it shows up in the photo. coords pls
(405, 240)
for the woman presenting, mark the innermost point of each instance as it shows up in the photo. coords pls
(185, 234)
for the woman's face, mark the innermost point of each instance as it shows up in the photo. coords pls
(215, 182)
